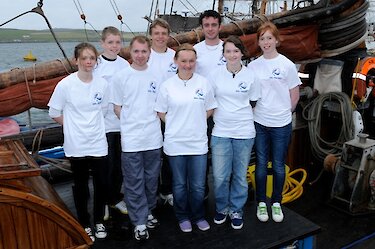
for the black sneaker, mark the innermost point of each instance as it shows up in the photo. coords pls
(237, 221)
(220, 218)
(140, 232)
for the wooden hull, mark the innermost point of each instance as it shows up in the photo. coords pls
(32, 214)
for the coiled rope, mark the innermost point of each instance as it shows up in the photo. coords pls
(293, 188)
(320, 147)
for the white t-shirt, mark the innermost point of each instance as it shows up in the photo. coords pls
(233, 116)
(136, 92)
(106, 69)
(162, 64)
(208, 57)
(82, 108)
(276, 77)
(186, 107)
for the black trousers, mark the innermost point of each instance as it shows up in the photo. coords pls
(81, 167)
(113, 169)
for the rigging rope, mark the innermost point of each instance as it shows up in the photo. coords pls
(119, 16)
(83, 17)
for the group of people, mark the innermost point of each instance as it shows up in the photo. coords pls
(157, 109)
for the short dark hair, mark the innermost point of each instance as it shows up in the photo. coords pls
(210, 13)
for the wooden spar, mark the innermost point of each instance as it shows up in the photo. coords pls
(40, 71)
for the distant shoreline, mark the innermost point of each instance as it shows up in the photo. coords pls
(63, 35)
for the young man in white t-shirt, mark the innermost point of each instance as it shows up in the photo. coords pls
(141, 140)
(209, 54)
(109, 63)
(162, 65)
(210, 50)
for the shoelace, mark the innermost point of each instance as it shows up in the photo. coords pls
(262, 210)
(235, 216)
(100, 228)
(276, 210)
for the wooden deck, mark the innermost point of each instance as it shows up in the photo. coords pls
(254, 234)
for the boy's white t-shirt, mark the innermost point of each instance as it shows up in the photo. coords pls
(82, 108)
(186, 106)
(107, 69)
(208, 57)
(136, 92)
(162, 64)
(233, 116)
(276, 77)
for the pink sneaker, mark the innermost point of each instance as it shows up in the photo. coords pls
(203, 225)
(185, 226)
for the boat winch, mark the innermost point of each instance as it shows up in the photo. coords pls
(351, 186)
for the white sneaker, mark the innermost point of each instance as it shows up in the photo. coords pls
(152, 222)
(277, 213)
(262, 213)
(89, 233)
(106, 213)
(121, 206)
(167, 198)
(140, 232)
(100, 231)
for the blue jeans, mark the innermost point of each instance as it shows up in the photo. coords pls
(230, 160)
(277, 140)
(188, 183)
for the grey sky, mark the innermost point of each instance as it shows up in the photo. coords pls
(99, 13)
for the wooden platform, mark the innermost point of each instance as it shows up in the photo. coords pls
(254, 234)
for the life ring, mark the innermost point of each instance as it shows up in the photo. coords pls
(364, 76)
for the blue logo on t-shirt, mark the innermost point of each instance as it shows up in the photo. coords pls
(222, 61)
(152, 87)
(199, 94)
(242, 87)
(172, 68)
(276, 73)
(98, 98)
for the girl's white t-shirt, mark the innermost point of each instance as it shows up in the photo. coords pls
(233, 116)
(186, 105)
(82, 106)
(276, 77)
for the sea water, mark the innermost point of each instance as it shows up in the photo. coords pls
(11, 56)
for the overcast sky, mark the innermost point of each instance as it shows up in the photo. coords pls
(99, 13)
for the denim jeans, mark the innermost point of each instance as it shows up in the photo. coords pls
(276, 140)
(188, 182)
(230, 160)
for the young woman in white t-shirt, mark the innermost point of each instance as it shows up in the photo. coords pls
(78, 104)
(279, 84)
(184, 102)
(233, 133)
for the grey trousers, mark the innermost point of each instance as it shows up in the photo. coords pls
(141, 171)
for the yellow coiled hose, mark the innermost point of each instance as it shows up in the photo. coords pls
(293, 188)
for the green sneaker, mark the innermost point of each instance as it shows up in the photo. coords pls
(262, 213)
(277, 213)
